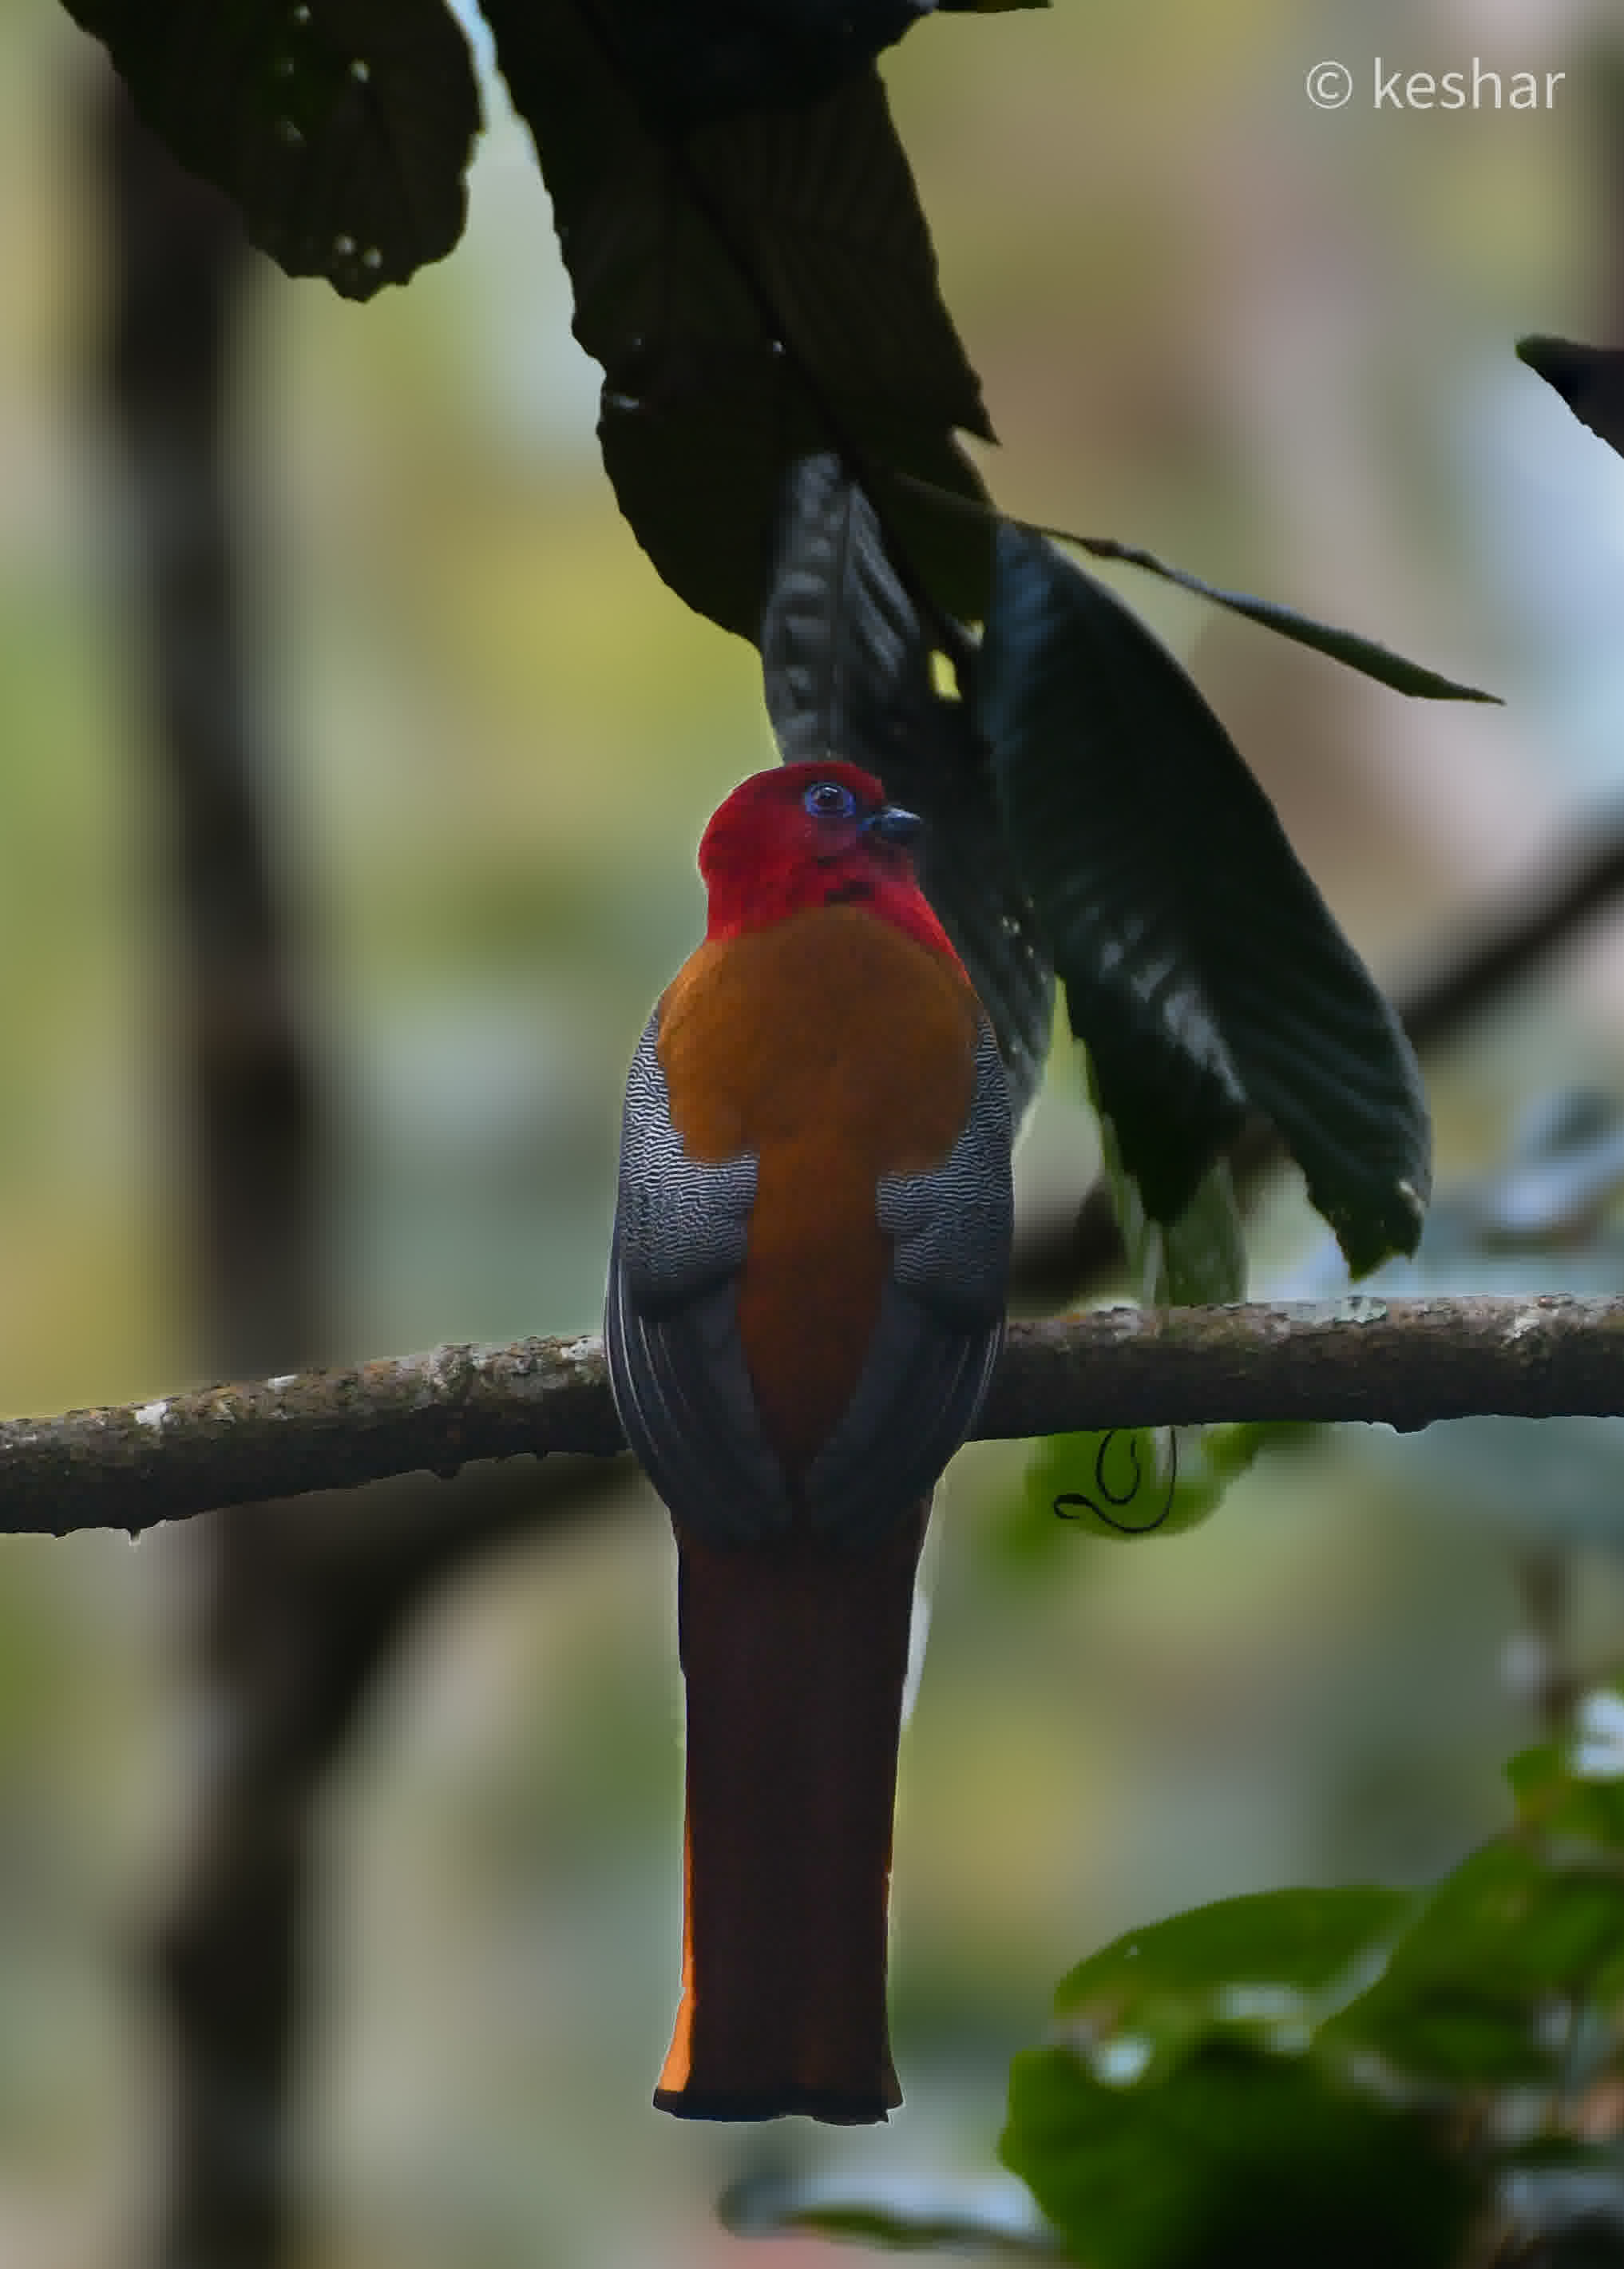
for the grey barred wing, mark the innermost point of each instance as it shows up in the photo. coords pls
(676, 1364)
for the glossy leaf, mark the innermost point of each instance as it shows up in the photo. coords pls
(1202, 968)
(342, 129)
(1296, 1943)
(1454, 2050)
(748, 290)
(847, 670)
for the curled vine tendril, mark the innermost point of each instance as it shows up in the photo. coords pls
(1118, 1499)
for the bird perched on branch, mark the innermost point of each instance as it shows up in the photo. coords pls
(805, 1299)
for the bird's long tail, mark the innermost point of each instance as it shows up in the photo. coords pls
(794, 1659)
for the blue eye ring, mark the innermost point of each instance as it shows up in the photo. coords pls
(828, 798)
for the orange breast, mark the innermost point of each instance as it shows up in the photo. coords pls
(837, 1049)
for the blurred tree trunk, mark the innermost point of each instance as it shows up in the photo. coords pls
(247, 1120)
(302, 1602)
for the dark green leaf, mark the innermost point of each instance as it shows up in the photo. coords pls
(1238, 2160)
(1293, 1943)
(848, 671)
(1589, 380)
(1362, 654)
(698, 472)
(749, 291)
(342, 128)
(1468, 1995)
(1202, 968)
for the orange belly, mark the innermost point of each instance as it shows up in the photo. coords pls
(836, 1049)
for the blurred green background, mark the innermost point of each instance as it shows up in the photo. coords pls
(1271, 343)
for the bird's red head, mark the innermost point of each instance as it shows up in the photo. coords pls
(813, 835)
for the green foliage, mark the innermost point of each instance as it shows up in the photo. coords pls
(1201, 966)
(752, 270)
(342, 128)
(1174, 1983)
(847, 667)
(1239, 2159)
(1351, 2074)
(749, 291)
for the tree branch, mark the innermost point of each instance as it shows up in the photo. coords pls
(1400, 1363)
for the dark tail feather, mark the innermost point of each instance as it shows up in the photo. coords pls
(794, 1659)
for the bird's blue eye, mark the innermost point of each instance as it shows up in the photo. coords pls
(830, 799)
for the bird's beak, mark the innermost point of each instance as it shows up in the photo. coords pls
(892, 824)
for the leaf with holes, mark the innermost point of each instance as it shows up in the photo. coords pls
(847, 670)
(342, 129)
(1202, 968)
(764, 287)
